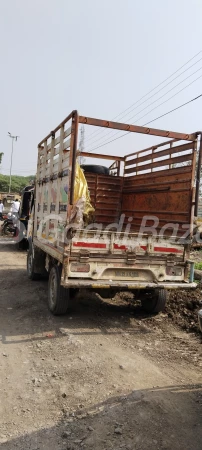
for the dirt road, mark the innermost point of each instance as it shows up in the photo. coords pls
(103, 377)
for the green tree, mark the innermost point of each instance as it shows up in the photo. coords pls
(18, 183)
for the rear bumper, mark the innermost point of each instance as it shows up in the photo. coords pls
(78, 283)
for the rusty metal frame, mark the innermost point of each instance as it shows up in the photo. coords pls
(57, 128)
(198, 176)
(151, 160)
(99, 155)
(76, 120)
(136, 129)
(73, 149)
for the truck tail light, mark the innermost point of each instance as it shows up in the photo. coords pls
(76, 267)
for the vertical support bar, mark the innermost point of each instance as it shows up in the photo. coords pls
(60, 159)
(118, 168)
(72, 173)
(73, 149)
(192, 187)
(49, 183)
(124, 166)
(42, 214)
(198, 175)
(37, 193)
(137, 164)
(152, 157)
(171, 144)
(59, 180)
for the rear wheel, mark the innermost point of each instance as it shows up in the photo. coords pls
(32, 275)
(154, 301)
(22, 245)
(58, 296)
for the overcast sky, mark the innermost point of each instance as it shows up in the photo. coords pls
(98, 57)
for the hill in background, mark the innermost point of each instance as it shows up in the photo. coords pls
(18, 182)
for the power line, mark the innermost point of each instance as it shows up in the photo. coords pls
(132, 117)
(153, 95)
(162, 103)
(149, 92)
(169, 112)
(175, 109)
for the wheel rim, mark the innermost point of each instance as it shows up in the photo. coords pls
(30, 263)
(53, 290)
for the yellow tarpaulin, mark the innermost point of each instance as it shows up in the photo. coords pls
(82, 206)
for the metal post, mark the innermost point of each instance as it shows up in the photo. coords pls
(12, 137)
(198, 175)
(11, 166)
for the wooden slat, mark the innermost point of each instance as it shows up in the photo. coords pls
(105, 201)
(113, 196)
(177, 160)
(175, 184)
(152, 147)
(56, 141)
(171, 175)
(66, 144)
(140, 190)
(167, 152)
(67, 132)
(101, 209)
(107, 189)
(66, 154)
(113, 181)
(175, 172)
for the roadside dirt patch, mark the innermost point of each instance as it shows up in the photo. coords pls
(105, 376)
(182, 308)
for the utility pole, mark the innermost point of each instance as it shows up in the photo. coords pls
(81, 144)
(14, 138)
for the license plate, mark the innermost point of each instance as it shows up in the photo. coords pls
(126, 273)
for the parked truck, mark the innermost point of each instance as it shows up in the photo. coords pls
(124, 226)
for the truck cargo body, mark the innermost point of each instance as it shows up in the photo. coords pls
(137, 235)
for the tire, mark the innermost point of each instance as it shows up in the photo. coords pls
(22, 245)
(32, 275)
(18, 234)
(5, 229)
(58, 296)
(100, 170)
(155, 302)
(2, 230)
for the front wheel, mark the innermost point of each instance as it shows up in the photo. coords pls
(58, 296)
(32, 275)
(155, 301)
